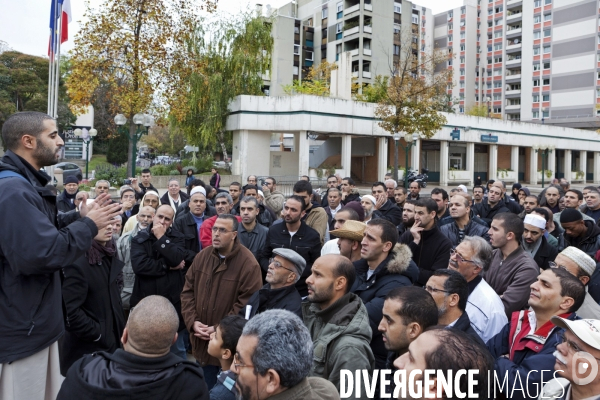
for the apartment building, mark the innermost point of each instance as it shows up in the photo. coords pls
(307, 32)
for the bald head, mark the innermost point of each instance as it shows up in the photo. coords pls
(151, 328)
(164, 215)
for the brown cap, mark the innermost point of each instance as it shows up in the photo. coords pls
(353, 230)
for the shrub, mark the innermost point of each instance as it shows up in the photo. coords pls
(111, 173)
(160, 169)
(174, 172)
(185, 169)
(204, 164)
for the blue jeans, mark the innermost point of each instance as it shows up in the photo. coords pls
(210, 375)
(180, 346)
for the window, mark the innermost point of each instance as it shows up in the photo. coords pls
(597, 92)
(536, 82)
(339, 27)
(462, 47)
(396, 50)
(499, 9)
(497, 110)
(498, 46)
(537, 3)
(546, 2)
(536, 98)
(537, 19)
(497, 84)
(310, 55)
(545, 114)
(450, 14)
(296, 49)
(535, 115)
(546, 32)
(536, 51)
(461, 84)
(546, 97)
(497, 96)
(461, 109)
(340, 6)
(546, 65)
(537, 34)
(449, 38)
(546, 81)
(462, 35)
(463, 10)
(450, 26)
(415, 19)
(497, 34)
(536, 67)
(490, 24)
(462, 72)
(450, 62)
(398, 8)
(498, 22)
(497, 72)
(462, 60)
(295, 70)
(397, 28)
(498, 59)
(461, 96)
(547, 17)
(489, 85)
(324, 13)
(546, 49)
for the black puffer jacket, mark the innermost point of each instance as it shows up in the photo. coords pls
(152, 260)
(285, 298)
(450, 230)
(396, 270)
(92, 299)
(32, 252)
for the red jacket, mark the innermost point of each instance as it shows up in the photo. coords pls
(206, 230)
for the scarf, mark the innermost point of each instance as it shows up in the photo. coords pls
(97, 251)
(70, 196)
(172, 202)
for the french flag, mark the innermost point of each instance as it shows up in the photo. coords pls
(64, 18)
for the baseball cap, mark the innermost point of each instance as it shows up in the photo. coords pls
(587, 330)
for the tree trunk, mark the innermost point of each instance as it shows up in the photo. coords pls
(223, 148)
(131, 133)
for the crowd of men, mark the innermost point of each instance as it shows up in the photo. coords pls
(247, 293)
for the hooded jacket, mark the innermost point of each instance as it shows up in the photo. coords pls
(341, 336)
(32, 252)
(396, 270)
(126, 376)
(432, 252)
(450, 230)
(590, 244)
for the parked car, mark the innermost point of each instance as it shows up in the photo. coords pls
(70, 169)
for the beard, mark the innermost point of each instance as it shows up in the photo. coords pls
(45, 155)
(321, 297)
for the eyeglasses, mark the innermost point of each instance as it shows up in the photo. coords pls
(277, 264)
(216, 229)
(453, 252)
(434, 290)
(237, 364)
(552, 264)
(572, 347)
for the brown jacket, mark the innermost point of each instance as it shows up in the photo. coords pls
(214, 289)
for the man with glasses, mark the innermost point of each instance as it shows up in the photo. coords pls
(450, 291)
(223, 205)
(525, 346)
(578, 349)
(219, 282)
(471, 258)
(583, 267)
(285, 269)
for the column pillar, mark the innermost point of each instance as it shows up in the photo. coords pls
(239, 155)
(415, 156)
(583, 163)
(533, 167)
(493, 161)
(303, 153)
(551, 164)
(596, 178)
(567, 165)
(471, 162)
(346, 154)
(514, 161)
(444, 163)
(382, 159)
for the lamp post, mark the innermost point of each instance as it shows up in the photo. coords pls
(396, 139)
(138, 119)
(545, 150)
(489, 99)
(87, 137)
(410, 139)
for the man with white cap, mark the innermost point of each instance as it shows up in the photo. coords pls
(349, 236)
(582, 266)
(577, 351)
(285, 269)
(463, 188)
(189, 225)
(535, 243)
(368, 204)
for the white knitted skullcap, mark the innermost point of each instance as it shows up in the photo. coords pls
(370, 198)
(580, 258)
(198, 189)
(535, 220)
(261, 194)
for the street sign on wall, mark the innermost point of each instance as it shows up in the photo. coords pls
(489, 138)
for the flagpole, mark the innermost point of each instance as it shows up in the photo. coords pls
(52, 58)
(57, 66)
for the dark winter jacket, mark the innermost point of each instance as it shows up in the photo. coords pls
(152, 260)
(512, 205)
(182, 198)
(139, 196)
(64, 204)
(215, 180)
(305, 242)
(94, 317)
(487, 213)
(546, 253)
(285, 298)
(32, 252)
(396, 270)
(527, 364)
(590, 244)
(184, 208)
(463, 324)
(450, 230)
(253, 240)
(186, 225)
(353, 196)
(389, 211)
(126, 376)
(432, 252)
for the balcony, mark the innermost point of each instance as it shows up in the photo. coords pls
(513, 61)
(512, 107)
(368, 7)
(513, 3)
(514, 17)
(367, 74)
(351, 31)
(367, 52)
(355, 74)
(352, 9)
(354, 52)
(513, 47)
(367, 29)
(512, 92)
(513, 77)
(513, 32)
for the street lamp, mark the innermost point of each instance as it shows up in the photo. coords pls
(410, 139)
(87, 137)
(396, 136)
(139, 119)
(545, 150)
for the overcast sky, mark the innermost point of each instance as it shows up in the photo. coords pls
(24, 24)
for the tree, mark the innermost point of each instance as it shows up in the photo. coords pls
(478, 110)
(166, 140)
(117, 150)
(233, 54)
(317, 81)
(136, 49)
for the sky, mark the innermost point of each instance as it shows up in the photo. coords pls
(24, 24)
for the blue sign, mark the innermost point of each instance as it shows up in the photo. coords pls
(455, 134)
(489, 138)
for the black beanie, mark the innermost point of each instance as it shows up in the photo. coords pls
(570, 215)
(71, 179)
